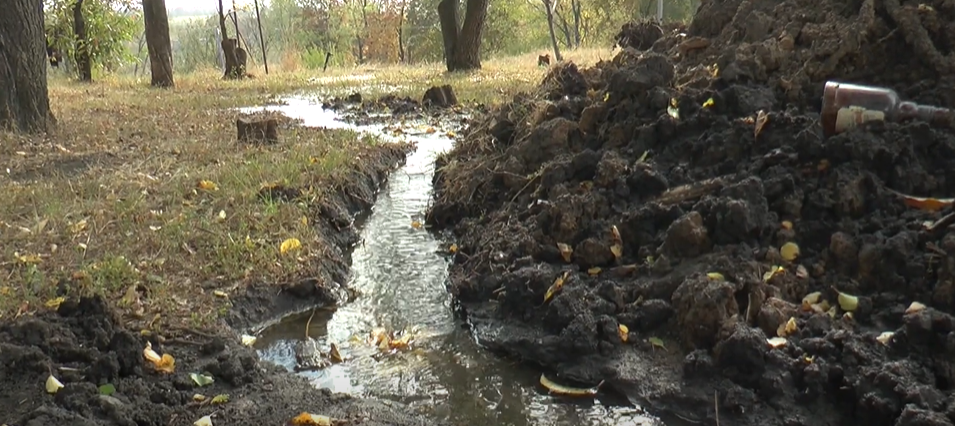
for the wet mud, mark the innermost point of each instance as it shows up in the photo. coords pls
(649, 192)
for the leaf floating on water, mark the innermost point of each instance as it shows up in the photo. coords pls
(309, 419)
(715, 276)
(624, 332)
(207, 185)
(248, 340)
(204, 421)
(789, 251)
(914, 307)
(657, 342)
(885, 337)
(556, 286)
(565, 251)
(776, 342)
(107, 389)
(220, 399)
(201, 379)
(848, 302)
(594, 271)
(53, 385)
(761, 119)
(556, 389)
(289, 245)
(709, 103)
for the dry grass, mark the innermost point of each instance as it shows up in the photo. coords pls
(110, 202)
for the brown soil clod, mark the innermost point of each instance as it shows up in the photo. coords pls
(440, 96)
(257, 130)
(660, 142)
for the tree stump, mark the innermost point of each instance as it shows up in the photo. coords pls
(440, 96)
(257, 130)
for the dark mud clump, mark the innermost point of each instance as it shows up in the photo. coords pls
(646, 180)
(85, 347)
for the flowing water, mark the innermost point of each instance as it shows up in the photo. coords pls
(401, 275)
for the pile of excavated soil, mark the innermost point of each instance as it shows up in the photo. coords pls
(85, 347)
(673, 215)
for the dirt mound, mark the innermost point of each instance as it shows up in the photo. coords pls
(667, 205)
(85, 347)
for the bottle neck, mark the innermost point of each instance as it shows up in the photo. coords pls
(929, 114)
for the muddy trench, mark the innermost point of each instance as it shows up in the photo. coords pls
(400, 271)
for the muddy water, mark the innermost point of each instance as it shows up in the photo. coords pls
(401, 274)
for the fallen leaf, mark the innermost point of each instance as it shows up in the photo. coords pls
(617, 250)
(928, 204)
(198, 397)
(761, 119)
(848, 302)
(801, 272)
(55, 303)
(220, 399)
(709, 103)
(453, 249)
(220, 293)
(150, 354)
(416, 225)
(53, 385)
(78, 226)
(107, 389)
(565, 251)
(309, 419)
(594, 271)
(207, 185)
(657, 342)
(556, 389)
(29, 259)
(885, 337)
(616, 234)
(248, 340)
(304, 220)
(772, 272)
(776, 342)
(556, 286)
(789, 251)
(222, 215)
(624, 332)
(201, 379)
(787, 328)
(914, 307)
(643, 157)
(715, 276)
(810, 299)
(334, 354)
(290, 245)
(786, 224)
(204, 421)
(167, 364)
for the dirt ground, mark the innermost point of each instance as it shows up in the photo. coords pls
(649, 192)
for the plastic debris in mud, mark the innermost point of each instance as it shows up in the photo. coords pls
(846, 106)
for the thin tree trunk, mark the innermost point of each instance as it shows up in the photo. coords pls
(462, 46)
(549, 10)
(157, 41)
(84, 65)
(448, 15)
(401, 38)
(575, 8)
(24, 100)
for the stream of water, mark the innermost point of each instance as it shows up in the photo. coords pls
(401, 276)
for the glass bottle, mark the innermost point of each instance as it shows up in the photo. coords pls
(846, 106)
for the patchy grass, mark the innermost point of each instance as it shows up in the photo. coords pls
(112, 201)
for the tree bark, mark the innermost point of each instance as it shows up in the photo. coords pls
(157, 42)
(84, 65)
(234, 68)
(549, 10)
(462, 45)
(24, 100)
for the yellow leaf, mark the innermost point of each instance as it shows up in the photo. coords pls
(416, 225)
(715, 276)
(150, 354)
(198, 397)
(167, 364)
(334, 354)
(607, 97)
(453, 248)
(222, 215)
(885, 337)
(29, 258)
(565, 251)
(309, 419)
(556, 286)
(848, 302)
(78, 226)
(556, 389)
(450, 134)
(709, 103)
(204, 421)
(657, 342)
(53, 385)
(810, 299)
(761, 119)
(786, 224)
(55, 303)
(220, 293)
(776, 342)
(594, 271)
(616, 234)
(289, 245)
(772, 272)
(220, 399)
(787, 328)
(207, 185)
(914, 307)
(248, 340)
(304, 220)
(789, 251)
(617, 250)
(643, 157)
(624, 332)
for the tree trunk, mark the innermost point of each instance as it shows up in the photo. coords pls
(549, 10)
(84, 66)
(575, 6)
(401, 38)
(230, 47)
(157, 41)
(462, 46)
(24, 100)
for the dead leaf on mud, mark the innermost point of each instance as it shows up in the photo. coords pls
(624, 332)
(786, 224)
(709, 103)
(309, 419)
(290, 245)
(220, 399)
(789, 251)
(453, 248)
(617, 250)
(53, 385)
(657, 342)
(556, 286)
(556, 389)
(848, 302)
(773, 270)
(925, 203)
(801, 272)
(334, 354)
(811, 299)
(207, 185)
(565, 251)
(776, 342)
(616, 234)
(55, 303)
(885, 337)
(715, 276)
(787, 328)
(642, 159)
(165, 363)
(914, 307)
(204, 421)
(761, 119)
(594, 271)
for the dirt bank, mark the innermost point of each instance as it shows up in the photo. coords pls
(97, 350)
(645, 183)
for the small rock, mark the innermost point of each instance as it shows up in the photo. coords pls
(702, 307)
(591, 252)
(686, 236)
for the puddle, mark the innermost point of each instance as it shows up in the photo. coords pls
(401, 277)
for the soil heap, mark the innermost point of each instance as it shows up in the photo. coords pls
(649, 192)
